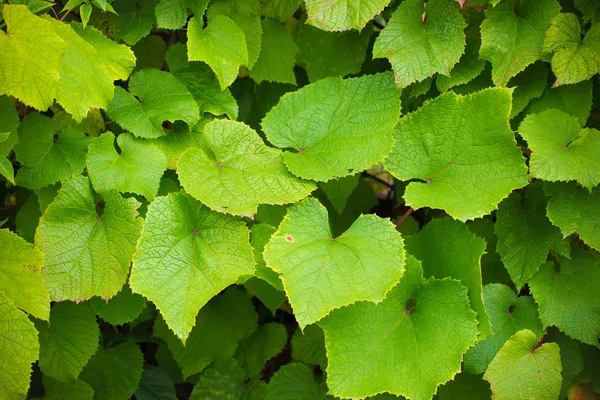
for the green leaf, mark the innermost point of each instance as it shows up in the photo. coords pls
(421, 39)
(72, 390)
(133, 19)
(570, 357)
(309, 346)
(589, 8)
(573, 99)
(8, 136)
(321, 272)
(570, 299)
(564, 31)
(28, 218)
(525, 235)
(468, 68)
(201, 83)
(150, 52)
(512, 35)
(344, 14)
(522, 370)
(239, 172)
(396, 346)
(68, 340)
(508, 315)
(562, 150)
(201, 252)
(219, 327)
(85, 11)
(447, 249)
(87, 254)
(492, 269)
(128, 170)
(19, 348)
(277, 56)
(295, 381)
(262, 345)
(46, 159)
(338, 191)
(114, 373)
(271, 297)
(176, 142)
(260, 234)
(154, 97)
(465, 386)
(21, 275)
(529, 84)
(573, 209)
(171, 14)
(222, 45)
(314, 122)
(224, 379)
(326, 54)
(467, 160)
(156, 384)
(280, 9)
(123, 307)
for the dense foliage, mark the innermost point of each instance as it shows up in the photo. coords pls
(287, 199)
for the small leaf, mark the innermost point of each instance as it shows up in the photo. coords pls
(343, 15)
(123, 307)
(225, 379)
(295, 381)
(262, 345)
(155, 385)
(133, 19)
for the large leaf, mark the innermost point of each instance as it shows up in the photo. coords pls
(508, 315)
(128, 170)
(219, 327)
(200, 252)
(562, 149)
(466, 161)
(68, 340)
(422, 39)
(570, 300)
(114, 373)
(321, 272)
(396, 346)
(522, 370)
(21, 275)
(224, 379)
(314, 122)
(238, 171)
(447, 249)
(133, 19)
(44, 158)
(87, 254)
(342, 15)
(154, 97)
(19, 348)
(512, 35)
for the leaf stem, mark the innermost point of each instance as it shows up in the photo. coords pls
(404, 216)
(65, 16)
(11, 207)
(375, 178)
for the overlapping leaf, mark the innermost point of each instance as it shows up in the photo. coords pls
(342, 15)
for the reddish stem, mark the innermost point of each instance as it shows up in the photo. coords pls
(11, 207)
(404, 216)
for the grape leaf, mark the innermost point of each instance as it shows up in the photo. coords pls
(465, 386)
(222, 45)
(575, 210)
(20, 268)
(176, 142)
(570, 357)
(492, 269)
(570, 300)
(154, 97)
(206, 250)
(171, 14)
(262, 345)
(47, 159)
(239, 172)
(309, 346)
(564, 31)
(114, 373)
(573, 99)
(224, 379)
(522, 370)
(19, 348)
(447, 249)
(562, 149)
(342, 15)
(219, 326)
(396, 346)
(512, 35)
(8, 136)
(326, 54)
(123, 307)
(295, 381)
(321, 272)
(589, 8)
(28, 218)
(272, 298)
(468, 68)
(525, 235)
(260, 234)
(529, 84)
(468, 158)
(133, 19)
(355, 114)
(277, 56)
(338, 191)
(280, 9)
(201, 83)
(155, 384)
(86, 254)
(127, 170)
(508, 315)
(150, 52)
(72, 390)
(68, 340)
(421, 39)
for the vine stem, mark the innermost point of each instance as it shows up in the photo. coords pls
(11, 207)
(404, 216)
(539, 343)
(65, 16)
